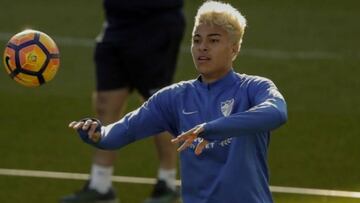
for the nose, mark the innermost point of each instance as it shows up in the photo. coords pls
(203, 47)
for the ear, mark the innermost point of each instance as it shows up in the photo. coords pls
(235, 50)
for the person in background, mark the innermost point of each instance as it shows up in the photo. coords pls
(137, 50)
(222, 119)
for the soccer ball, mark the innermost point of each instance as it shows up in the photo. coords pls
(31, 58)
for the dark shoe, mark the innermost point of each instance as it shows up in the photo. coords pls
(87, 195)
(163, 194)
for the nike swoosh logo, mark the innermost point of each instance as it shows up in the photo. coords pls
(188, 112)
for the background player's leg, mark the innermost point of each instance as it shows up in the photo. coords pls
(165, 190)
(167, 154)
(109, 106)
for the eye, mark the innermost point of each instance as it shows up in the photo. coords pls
(196, 41)
(214, 40)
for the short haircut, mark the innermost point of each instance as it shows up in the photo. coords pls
(224, 15)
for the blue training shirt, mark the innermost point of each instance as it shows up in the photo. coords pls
(239, 111)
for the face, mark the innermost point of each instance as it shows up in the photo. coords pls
(212, 52)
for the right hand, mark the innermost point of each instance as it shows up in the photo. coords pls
(88, 129)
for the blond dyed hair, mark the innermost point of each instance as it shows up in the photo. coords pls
(224, 15)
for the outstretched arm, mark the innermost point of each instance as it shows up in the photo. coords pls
(152, 117)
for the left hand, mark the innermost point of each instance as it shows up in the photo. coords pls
(188, 138)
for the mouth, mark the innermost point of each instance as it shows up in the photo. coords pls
(203, 59)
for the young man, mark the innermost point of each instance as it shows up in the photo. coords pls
(223, 119)
(138, 50)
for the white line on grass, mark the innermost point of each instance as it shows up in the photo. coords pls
(138, 180)
(261, 53)
(313, 191)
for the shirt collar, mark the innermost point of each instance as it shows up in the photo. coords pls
(219, 84)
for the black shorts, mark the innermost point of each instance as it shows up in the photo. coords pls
(144, 59)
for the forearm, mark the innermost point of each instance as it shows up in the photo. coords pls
(134, 126)
(153, 117)
(114, 136)
(264, 117)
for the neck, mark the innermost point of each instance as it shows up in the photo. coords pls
(210, 78)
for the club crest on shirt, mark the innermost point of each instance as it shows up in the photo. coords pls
(226, 107)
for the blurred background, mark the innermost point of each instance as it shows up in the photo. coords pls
(310, 49)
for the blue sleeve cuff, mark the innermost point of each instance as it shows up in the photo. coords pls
(208, 128)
